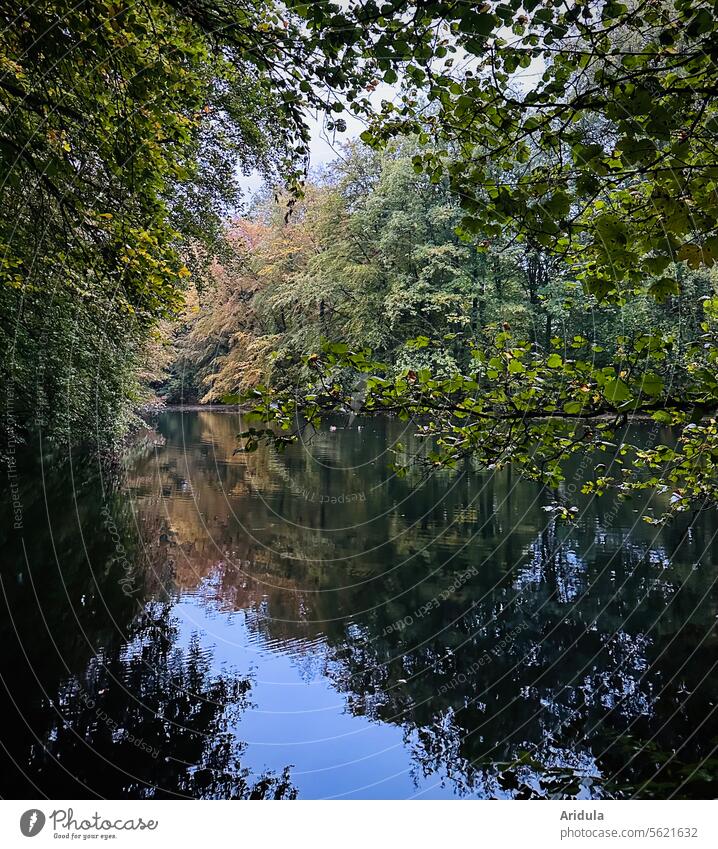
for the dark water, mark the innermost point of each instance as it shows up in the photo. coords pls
(205, 624)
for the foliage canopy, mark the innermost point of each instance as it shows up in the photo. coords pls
(577, 142)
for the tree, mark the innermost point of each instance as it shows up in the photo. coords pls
(608, 157)
(608, 163)
(123, 127)
(583, 134)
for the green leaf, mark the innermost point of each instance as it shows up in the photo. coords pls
(617, 391)
(651, 384)
(662, 289)
(479, 23)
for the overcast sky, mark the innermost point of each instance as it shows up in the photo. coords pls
(324, 146)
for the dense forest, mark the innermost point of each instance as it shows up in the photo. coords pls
(371, 257)
(518, 253)
(453, 531)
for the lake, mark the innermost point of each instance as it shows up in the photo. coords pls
(198, 622)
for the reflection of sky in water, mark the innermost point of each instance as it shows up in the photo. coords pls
(319, 574)
(427, 636)
(297, 718)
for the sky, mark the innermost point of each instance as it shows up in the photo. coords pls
(324, 146)
(323, 149)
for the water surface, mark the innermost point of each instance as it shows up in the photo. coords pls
(210, 624)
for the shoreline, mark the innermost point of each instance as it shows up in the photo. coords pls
(236, 408)
(190, 408)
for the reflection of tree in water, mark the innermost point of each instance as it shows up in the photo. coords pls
(527, 696)
(151, 720)
(97, 696)
(581, 655)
